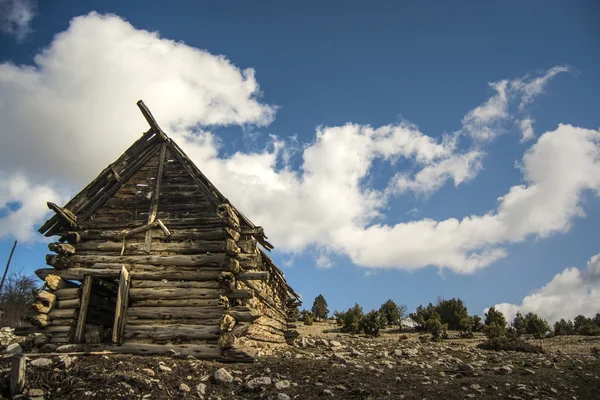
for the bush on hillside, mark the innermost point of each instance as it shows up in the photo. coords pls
(308, 319)
(372, 323)
(351, 319)
(519, 324)
(587, 326)
(435, 326)
(392, 312)
(494, 331)
(16, 299)
(494, 316)
(563, 327)
(452, 312)
(536, 326)
(509, 344)
(319, 308)
(421, 315)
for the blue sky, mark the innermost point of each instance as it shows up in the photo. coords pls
(278, 141)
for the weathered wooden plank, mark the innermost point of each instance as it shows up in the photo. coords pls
(213, 259)
(178, 303)
(86, 290)
(175, 284)
(63, 314)
(199, 313)
(67, 293)
(136, 273)
(97, 201)
(62, 249)
(172, 332)
(122, 306)
(191, 247)
(176, 235)
(17, 374)
(155, 195)
(253, 276)
(74, 303)
(166, 322)
(137, 294)
(55, 282)
(199, 351)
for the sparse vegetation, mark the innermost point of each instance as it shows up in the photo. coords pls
(509, 344)
(15, 300)
(319, 308)
(373, 322)
(392, 312)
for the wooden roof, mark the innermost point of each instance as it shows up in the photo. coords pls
(74, 214)
(86, 202)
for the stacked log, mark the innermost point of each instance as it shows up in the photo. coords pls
(56, 305)
(190, 274)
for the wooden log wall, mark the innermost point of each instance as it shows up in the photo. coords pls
(199, 279)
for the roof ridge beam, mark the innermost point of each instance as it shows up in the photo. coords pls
(151, 120)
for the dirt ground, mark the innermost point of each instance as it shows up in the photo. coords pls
(325, 363)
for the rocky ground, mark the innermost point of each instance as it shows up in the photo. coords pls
(326, 363)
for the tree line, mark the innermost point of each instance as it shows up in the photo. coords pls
(451, 314)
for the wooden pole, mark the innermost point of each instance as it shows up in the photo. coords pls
(83, 309)
(7, 265)
(17, 375)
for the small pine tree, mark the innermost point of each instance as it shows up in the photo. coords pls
(319, 308)
(452, 312)
(421, 315)
(308, 319)
(494, 316)
(435, 327)
(351, 319)
(563, 327)
(536, 326)
(494, 330)
(391, 312)
(372, 323)
(477, 324)
(520, 324)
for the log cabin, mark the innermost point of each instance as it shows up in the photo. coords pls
(150, 258)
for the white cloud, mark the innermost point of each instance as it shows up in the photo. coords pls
(570, 293)
(460, 167)
(73, 112)
(484, 122)
(23, 204)
(16, 16)
(323, 261)
(530, 89)
(526, 126)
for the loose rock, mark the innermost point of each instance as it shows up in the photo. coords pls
(223, 377)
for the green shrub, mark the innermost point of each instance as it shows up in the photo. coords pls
(466, 327)
(421, 315)
(494, 316)
(392, 312)
(587, 326)
(520, 324)
(477, 324)
(452, 312)
(536, 326)
(319, 308)
(351, 319)
(372, 323)
(494, 331)
(563, 327)
(308, 319)
(435, 327)
(509, 344)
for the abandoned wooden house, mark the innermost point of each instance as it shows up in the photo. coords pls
(152, 258)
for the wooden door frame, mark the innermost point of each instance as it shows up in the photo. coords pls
(122, 305)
